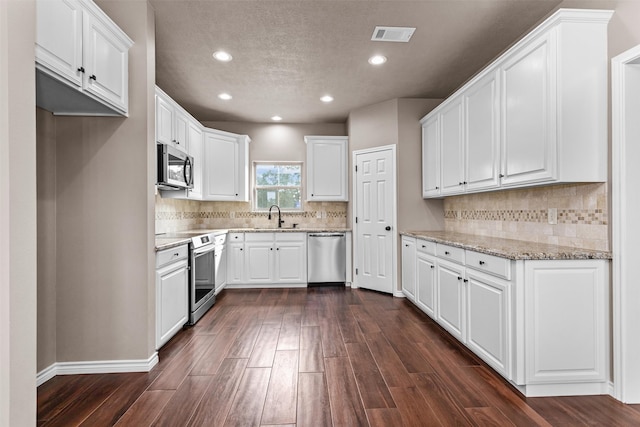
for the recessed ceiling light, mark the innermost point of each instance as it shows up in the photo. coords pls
(377, 60)
(223, 56)
(276, 118)
(326, 98)
(225, 96)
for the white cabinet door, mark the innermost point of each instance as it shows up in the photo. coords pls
(164, 121)
(431, 157)
(426, 283)
(59, 38)
(452, 149)
(220, 258)
(566, 316)
(291, 262)
(529, 113)
(409, 267)
(482, 142)
(259, 259)
(172, 305)
(488, 321)
(196, 151)
(451, 298)
(235, 263)
(221, 167)
(106, 63)
(181, 132)
(326, 168)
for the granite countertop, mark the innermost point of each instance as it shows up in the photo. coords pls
(508, 248)
(172, 240)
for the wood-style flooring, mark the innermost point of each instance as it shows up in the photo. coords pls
(324, 356)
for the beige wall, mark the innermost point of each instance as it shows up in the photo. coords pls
(277, 142)
(104, 218)
(46, 178)
(17, 215)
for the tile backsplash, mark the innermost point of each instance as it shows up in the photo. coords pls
(522, 214)
(174, 215)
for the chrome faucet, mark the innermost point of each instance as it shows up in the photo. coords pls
(280, 220)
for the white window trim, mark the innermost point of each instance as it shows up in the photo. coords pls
(254, 208)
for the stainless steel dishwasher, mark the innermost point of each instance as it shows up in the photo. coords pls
(326, 258)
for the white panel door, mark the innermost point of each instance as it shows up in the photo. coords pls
(59, 38)
(451, 298)
(431, 157)
(106, 60)
(528, 113)
(482, 142)
(375, 216)
(426, 284)
(452, 146)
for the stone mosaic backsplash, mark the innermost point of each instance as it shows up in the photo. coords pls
(174, 215)
(522, 214)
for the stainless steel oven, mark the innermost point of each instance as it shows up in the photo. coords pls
(203, 276)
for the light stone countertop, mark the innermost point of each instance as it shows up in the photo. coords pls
(172, 240)
(508, 248)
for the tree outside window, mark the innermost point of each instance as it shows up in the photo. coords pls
(278, 183)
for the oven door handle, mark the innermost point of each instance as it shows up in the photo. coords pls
(204, 250)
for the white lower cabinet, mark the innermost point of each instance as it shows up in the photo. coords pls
(267, 259)
(409, 267)
(451, 298)
(542, 324)
(172, 293)
(220, 259)
(488, 321)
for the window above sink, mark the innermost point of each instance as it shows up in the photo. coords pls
(277, 183)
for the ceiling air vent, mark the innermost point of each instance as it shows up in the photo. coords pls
(392, 34)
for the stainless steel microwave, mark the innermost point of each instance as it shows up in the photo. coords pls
(175, 168)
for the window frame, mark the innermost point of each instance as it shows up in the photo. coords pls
(254, 184)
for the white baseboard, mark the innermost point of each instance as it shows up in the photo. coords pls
(96, 367)
(265, 286)
(399, 294)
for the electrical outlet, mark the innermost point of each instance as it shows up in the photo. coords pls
(324, 214)
(552, 215)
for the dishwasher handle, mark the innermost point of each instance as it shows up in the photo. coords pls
(326, 235)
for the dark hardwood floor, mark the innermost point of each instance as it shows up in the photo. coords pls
(314, 357)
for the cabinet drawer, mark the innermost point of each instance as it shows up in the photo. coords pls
(170, 255)
(235, 237)
(258, 237)
(291, 237)
(426, 247)
(451, 253)
(494, 265)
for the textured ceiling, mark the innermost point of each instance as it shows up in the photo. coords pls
(287, 54)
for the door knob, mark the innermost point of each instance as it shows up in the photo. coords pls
(388, 228)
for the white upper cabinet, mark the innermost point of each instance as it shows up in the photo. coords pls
(172, 122)
(226, 170)
(196, 150)
(481, 127)
(431, 157)
(536, 115)
(82, 59)
(327, 168)
(452, 150)
(528, 109)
